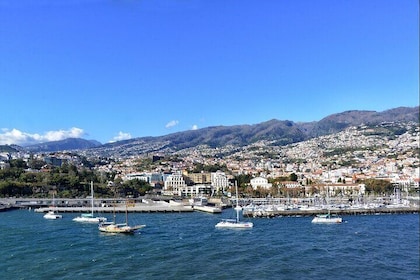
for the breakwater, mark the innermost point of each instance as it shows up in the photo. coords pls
(341, 212)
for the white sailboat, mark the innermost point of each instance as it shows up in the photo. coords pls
(51, 214)
(327, 218)
(113, 227)
(232, 223)
(89, 217)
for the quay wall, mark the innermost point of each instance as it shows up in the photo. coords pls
(341, 212)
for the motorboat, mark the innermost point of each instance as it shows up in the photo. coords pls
(51, 215)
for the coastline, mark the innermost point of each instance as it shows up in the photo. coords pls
(171, 206)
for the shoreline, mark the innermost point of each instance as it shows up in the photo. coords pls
(171, 206)
(341, 212)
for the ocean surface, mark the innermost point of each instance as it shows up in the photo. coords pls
(188, 246)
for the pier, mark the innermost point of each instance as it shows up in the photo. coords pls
(263, 210)
(119, 209)
(341, 212)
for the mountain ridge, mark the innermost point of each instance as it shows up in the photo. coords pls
(283, 132)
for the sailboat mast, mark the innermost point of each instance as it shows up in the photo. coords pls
(126, 213)
(91, 196)
(237, 202)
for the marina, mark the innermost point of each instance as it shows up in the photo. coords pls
(257, 208)
(341, 212)
(187, 245)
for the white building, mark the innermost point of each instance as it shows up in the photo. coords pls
(219, 181)
(174, 184)
(195, 190)
(260, 182)
(138, 176)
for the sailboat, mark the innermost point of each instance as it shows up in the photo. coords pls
(51, 214)
(113, 227)
(232, 223)
(89, 217)
(327, 218)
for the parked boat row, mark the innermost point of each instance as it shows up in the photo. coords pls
(257, 211)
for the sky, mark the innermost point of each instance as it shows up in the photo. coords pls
(114, 70)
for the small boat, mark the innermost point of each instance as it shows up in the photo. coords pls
(327, 219)
(51, 214)
(89, 217)
(234, 223)
(113, 227)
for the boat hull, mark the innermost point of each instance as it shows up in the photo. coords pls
(92, 220)
(119, 228)
(52, 216)
(324, 219)
(234, 224)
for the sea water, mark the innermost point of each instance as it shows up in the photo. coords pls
(188, 246)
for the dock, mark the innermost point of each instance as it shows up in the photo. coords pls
(208, 209)
(341, 212)
(161, 207)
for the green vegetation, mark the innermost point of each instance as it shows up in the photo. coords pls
(378, 187)
(65, 181)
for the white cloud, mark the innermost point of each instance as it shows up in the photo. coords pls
(21, 138)
(171, 124)
(121, 136)
(194, 127)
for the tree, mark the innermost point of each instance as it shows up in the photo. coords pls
(293, 177)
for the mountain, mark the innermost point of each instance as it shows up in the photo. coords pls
(281, 132)
(337, 122)
(9, 148)
(66, 144)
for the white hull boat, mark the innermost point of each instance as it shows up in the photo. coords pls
(232, 223)
(327, 219)
(51, 215)
(89, 217)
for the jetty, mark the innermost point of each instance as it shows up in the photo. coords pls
(155, 207)
(341, 212)
(207, 209)
(256, 208)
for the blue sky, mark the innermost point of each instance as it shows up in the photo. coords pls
(112, 70)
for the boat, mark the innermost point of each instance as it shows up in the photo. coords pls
(51, 214)
(89, 217)
(113, 227)
(327, 219)
(234, 223)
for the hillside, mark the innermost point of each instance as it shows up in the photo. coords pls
(281, 132)
(66, 144)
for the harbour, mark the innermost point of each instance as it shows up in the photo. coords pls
(257, 208)
(341, 212)
(186, 245)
